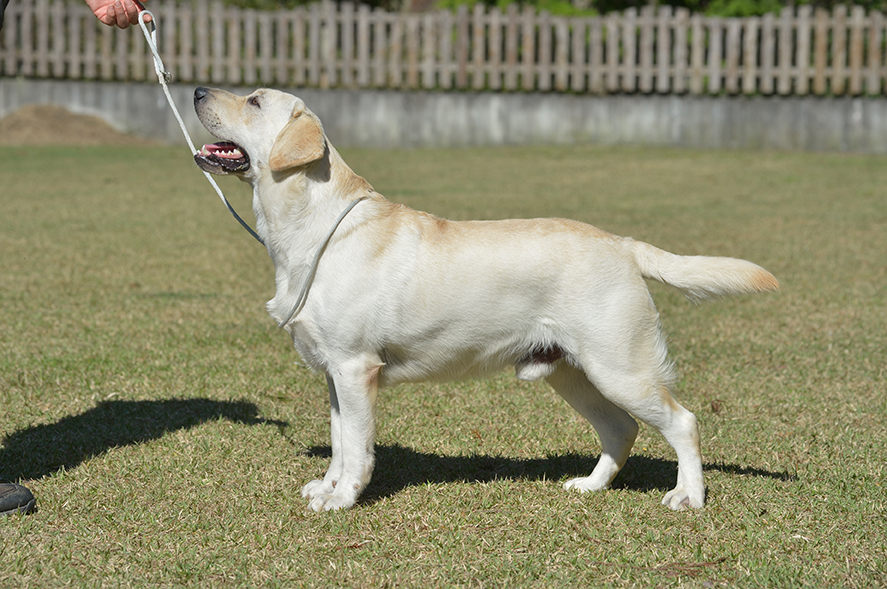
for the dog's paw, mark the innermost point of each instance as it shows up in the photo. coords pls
(680, 498)
(317, 488)
(585, 484)
(332, 501)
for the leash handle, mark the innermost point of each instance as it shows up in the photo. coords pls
(164, 78)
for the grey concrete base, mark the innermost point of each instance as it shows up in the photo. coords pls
(376, 118)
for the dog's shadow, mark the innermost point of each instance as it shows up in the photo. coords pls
(398, 467)
(42, 450)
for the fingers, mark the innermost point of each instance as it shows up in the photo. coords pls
(121, 13)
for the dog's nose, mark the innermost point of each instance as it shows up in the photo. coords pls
(200, 93)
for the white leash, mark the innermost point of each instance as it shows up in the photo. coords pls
(303, 293)
(163, 77)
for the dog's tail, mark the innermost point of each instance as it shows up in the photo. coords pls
(702, 277)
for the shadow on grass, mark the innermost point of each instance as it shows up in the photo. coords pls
(41, 450)
(398, 467)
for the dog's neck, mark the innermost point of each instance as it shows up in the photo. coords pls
(295, 211)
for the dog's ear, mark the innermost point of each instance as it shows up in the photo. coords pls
(301, 142)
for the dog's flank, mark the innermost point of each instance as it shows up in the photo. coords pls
(400, 295)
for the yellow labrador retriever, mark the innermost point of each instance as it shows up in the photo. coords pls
(374, 293)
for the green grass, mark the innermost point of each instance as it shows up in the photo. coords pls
(166, 425)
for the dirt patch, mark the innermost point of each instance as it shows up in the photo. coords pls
(45, 124)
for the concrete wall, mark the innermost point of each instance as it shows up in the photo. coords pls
(369, 118)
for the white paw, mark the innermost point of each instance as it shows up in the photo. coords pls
(317, 487)
(333, 501)
(680, 498)
(585, 484)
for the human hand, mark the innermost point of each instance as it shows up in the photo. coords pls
(117, 12)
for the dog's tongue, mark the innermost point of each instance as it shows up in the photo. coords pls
(223, 149)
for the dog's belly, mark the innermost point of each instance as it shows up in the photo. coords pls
(531, 361)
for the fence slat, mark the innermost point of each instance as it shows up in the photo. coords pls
(445, 69)
(544, 63)
(663, 49)
(875, 61)
(839, 49)
(697, 55)
(511, 45)
(629, 50)
(347, 43)
(429, 38)
(579, 54)
(820, 52)
(856, 49)
(57, 38)
(681, 28)
(412, 35)
(561, 53)
(750, 55)
(716, 54)
(646, 48)
(494, 58)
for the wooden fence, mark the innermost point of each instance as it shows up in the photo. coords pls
(325, 45)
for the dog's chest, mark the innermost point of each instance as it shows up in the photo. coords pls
(307, 344)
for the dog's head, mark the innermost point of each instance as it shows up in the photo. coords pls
(267, 129)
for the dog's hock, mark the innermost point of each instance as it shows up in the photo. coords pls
(300, 143)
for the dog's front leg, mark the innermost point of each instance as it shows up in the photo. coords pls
(319, 487)
(353, 391)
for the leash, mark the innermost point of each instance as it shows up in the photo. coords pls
(303, 294)
(164, 77)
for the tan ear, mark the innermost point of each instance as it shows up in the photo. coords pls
(301, 142)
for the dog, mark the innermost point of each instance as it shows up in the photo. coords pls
(374, 293)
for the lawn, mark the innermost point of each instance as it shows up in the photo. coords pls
(166, 425)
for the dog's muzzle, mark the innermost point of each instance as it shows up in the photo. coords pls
(224, 157)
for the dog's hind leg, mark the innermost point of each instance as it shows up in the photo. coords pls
(616, 428)
(353, 391)
(634, 376)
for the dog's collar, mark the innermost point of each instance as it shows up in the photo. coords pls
(303, 293)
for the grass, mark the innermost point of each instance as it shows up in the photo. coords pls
(166, 425)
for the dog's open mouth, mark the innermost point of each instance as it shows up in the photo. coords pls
(223, 157)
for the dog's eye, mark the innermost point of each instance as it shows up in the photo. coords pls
(255, 101)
